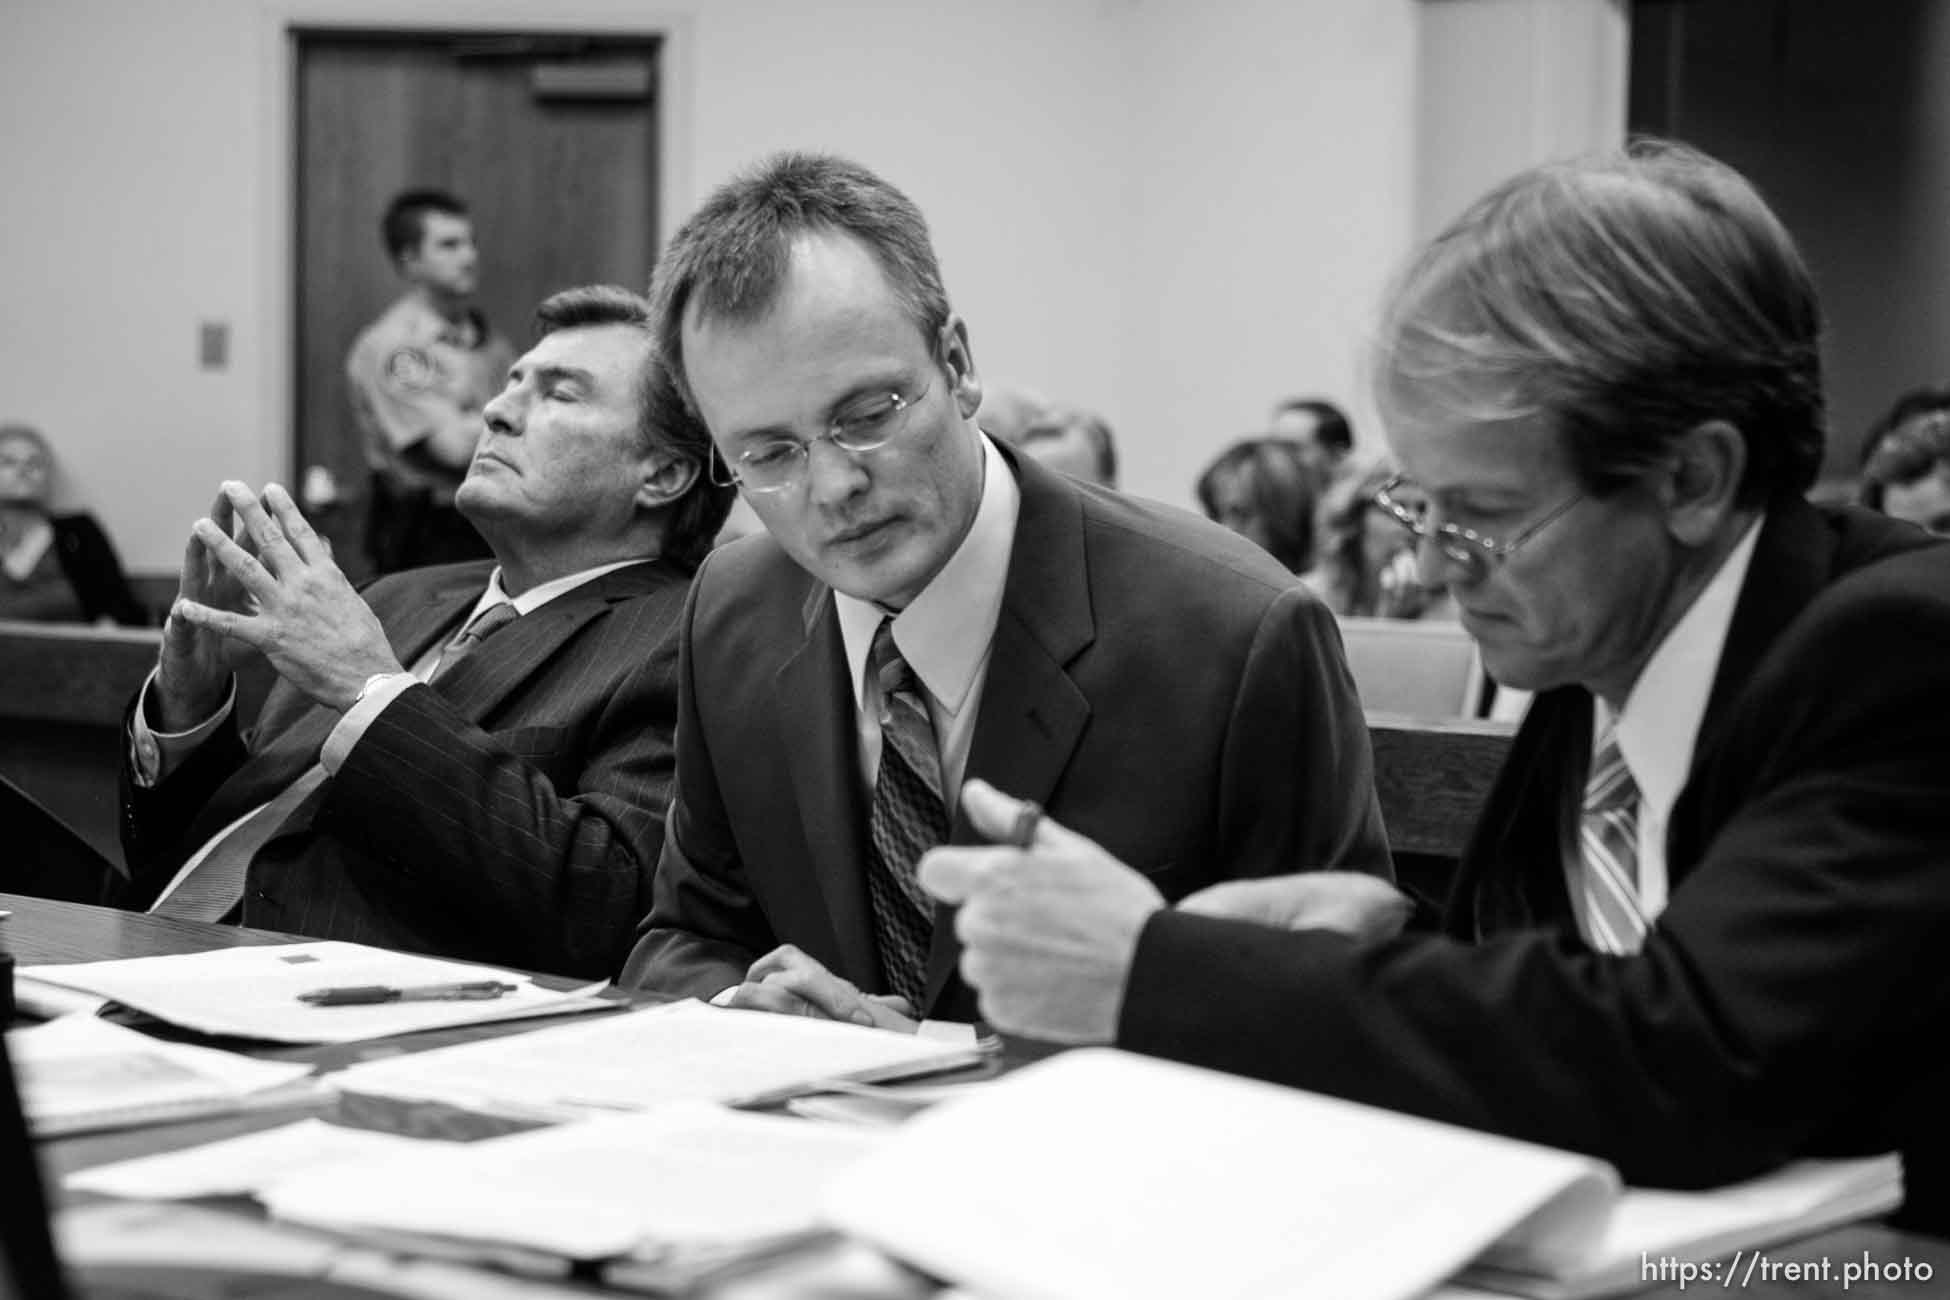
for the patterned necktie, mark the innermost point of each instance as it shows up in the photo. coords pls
(1608, 843)
(482, 626)
(909, 817)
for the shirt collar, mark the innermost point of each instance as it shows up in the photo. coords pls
(1660, 722)
(944, 632)
(542, 592)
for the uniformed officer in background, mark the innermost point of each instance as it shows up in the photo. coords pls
(419, 377)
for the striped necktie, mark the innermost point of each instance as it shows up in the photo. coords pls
(909, 817)
(1608, 838)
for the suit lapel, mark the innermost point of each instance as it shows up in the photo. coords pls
(813, 702)
(1794, 558)
(484, 679)
(1512, 874)
(1032, 714)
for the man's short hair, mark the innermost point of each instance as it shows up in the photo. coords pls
(405, 222)
(663, 419)
(1331, 428)
(1907, 444)
(1096, 430)
(1626, 298)
(729, 260)
(1279, 479)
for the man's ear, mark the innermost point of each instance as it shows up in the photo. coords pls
(666, 479)
(959, 361)
(1710, 459)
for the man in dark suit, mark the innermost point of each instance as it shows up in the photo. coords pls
(472, 760)
(1701, 926)
(927, 604)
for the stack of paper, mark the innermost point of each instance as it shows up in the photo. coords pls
(243, 1166)
(687, 1182)
(254, 992)
(684, 1051)
(78, 1074)
(1105, 1175)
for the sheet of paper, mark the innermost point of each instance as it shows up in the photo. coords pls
(686, 1173)
(1085, 1176)
(243, 1166)
(684, 1051)
(1796, 1200)
(79, 1073)
(253, 992)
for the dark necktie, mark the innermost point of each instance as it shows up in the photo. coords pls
(212, 889)
(1608, 841)
(482, 626)
(909, 817)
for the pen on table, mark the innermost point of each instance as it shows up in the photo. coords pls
(1022, 832)
(363, 995)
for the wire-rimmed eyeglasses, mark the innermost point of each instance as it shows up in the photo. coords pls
(1471, 551)
(779, 463)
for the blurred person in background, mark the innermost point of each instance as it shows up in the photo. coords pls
(53, 568)
(419, 377)
(1073, 441)
(1906, 460)
(1367, 563)
(1264, 489)
(1320, 427)
(1007, 412)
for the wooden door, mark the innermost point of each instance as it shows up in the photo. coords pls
(550, 139)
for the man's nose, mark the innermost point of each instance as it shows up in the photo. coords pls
(833, 474)
(1435, 568)
(502, 413)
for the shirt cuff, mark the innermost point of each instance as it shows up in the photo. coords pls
(153, 754)
(352, 727)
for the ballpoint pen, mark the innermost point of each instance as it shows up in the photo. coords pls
(1022, 832)
(363, 995)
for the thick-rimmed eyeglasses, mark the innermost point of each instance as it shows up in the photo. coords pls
(779, 463)
(1472, 552)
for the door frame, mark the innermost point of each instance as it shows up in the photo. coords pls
(278, 24)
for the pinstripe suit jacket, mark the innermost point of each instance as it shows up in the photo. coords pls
(513, 813)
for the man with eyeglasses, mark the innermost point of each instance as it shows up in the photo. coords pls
(1700, 929)
(927, 605)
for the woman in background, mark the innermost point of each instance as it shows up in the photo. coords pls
(53, 568)
(1263, 489)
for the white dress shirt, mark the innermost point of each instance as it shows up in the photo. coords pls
(1660, 722)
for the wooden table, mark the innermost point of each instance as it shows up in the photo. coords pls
(44, 932)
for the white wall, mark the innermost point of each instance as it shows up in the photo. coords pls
(1173, 210)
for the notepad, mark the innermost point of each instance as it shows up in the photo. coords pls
(1101, 1175)
(79, 1074)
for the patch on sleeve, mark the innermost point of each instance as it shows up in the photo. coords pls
(411, 369)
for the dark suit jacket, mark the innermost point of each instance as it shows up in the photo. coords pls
(88, 560)
(1155, 682)
(512, 813)
(1792, 999)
